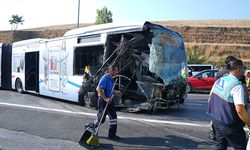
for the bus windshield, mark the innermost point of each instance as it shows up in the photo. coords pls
(167, 55)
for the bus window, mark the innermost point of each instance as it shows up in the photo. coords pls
(87, 56)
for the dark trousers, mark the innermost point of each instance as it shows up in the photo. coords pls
(111, 112)
(225, 135)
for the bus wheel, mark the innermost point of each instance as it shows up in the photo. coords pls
(88, 99)
(181, 101)
(81, 100)
(91, 99)
(19, 86)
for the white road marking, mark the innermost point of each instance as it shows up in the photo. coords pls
(163, 121)
(47, 109)
(92, 114)
(193, 104)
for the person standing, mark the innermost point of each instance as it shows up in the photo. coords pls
(104, 90)
(223, 72)
(228, 108)
(242, 79)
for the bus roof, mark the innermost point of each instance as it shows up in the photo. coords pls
(108, 27)
(29, 41)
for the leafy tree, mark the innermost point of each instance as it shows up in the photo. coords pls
(15, 20)
(220, 63)
(195, 56)
(103, 16)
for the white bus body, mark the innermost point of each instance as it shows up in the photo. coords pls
(60, 81)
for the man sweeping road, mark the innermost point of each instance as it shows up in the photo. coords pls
(105, 92)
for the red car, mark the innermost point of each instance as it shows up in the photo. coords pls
(202, 81)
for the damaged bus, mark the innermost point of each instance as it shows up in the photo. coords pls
(151, 60)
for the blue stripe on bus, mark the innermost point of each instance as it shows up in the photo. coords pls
(72, 83)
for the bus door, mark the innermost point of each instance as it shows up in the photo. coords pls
(32, 71)
(6, 66)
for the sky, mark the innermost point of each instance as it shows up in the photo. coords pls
(39, 13)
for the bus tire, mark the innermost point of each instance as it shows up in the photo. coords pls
(88, 99)
(19, 86)
(93, 96)
(181, 101)
(81, 100)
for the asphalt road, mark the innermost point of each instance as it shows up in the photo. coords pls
(30, 122)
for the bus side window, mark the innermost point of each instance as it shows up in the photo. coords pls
(87, 56)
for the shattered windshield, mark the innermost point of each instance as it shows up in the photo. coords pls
(167, 55)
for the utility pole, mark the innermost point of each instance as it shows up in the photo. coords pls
(78, 16)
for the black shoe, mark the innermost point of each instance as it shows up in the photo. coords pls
(90, 125)
(115, 138)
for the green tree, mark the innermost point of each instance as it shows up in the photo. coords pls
(103, 16)
(220, 63)
(195, 56)
(15, 20)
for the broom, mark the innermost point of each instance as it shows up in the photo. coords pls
(94, 139)
(86, 135)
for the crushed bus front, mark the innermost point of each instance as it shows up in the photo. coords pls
(153, 68)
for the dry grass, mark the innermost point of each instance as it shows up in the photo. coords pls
(216, 53)
(201, 23)
(58, 27)
(207, 23)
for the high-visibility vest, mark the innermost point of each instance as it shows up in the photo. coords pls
(221, 105)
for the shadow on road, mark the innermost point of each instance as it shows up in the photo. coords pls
(178, 142)
(156, 143)
(101, 147)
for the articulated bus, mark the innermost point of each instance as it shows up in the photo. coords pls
(151, 58)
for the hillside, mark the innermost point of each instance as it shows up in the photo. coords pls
(214, 38)
(199, 23)
(207, 23)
